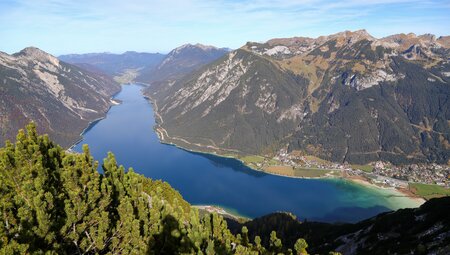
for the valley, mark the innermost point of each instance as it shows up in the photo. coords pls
(225, 127)
(213, 76)
(207, 179)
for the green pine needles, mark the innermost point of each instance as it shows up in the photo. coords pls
(56, 202)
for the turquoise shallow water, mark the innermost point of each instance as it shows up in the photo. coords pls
(127, 131)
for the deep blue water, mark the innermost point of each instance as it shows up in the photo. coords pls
(127, 131)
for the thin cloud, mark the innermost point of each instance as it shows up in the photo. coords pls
(62, 26)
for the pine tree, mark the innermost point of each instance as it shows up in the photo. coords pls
(300, 247)
(275, 243)
(244, 232)
(56, 202)
(258, 245)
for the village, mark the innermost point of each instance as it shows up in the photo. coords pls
(378, 172)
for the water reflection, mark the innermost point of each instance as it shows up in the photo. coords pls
(229, 163)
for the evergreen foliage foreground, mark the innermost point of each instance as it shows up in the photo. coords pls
(56, 202)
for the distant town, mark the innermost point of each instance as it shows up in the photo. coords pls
(378, 172)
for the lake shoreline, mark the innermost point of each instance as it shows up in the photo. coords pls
(354, 178)
(164, 138)
(221, 211)
(201, 177)
(93, 122)
(405, 192)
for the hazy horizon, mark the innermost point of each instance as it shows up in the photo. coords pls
(61, 27)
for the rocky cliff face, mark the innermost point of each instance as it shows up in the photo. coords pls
(347, 97)
(61, 98)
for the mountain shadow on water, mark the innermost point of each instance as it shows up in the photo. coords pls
(229, 163)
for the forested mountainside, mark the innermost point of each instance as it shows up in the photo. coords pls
(179, 62)
(61, 98)
(347, 97)
(56, 202)
(115, 64)
(423, 230)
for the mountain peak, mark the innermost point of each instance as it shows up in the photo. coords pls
(182, 60)
(205, 47)
(353, 36)
(363, 33)
(444, 41)
(37, 54)
(191, 49)
(197, 45)
(32, 51)
(350, 35)
(403, 41)
(430, 37)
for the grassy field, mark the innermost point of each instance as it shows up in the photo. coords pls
(428, 191)
(309, 172)
(318, 160)
(128, 76)
(252, 159)
(296, 172)
(275, 167)
(365, 168)
(273, 162)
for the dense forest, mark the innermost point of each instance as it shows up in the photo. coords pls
(56, 202)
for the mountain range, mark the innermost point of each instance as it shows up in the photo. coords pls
(179, 62)
(347, 97)
(148, 68)
(125, 67)
(62, 99)
(79, 86)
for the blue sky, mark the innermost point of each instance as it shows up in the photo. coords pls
(81, 26)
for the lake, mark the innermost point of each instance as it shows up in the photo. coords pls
(205, 179)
